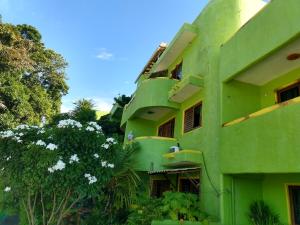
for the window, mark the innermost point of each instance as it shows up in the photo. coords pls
(167, 129)
(189, 185)
(159, 187)
(288, 93)
(294, 194)
(177, 72)
(193, 117)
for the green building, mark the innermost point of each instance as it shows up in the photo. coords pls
(217, 111)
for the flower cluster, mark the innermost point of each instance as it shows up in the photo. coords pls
(7, 134)
(69, 123)
(105, 164)
(74, 158)
(51, 147)
(95, 125)
(41, 143)
(109, 142)
(92, 179)
(7, 189)
(60, 165)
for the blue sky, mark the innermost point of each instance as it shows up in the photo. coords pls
(105, 42)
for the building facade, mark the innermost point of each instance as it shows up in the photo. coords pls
(217, 111)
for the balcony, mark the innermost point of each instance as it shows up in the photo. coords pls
(149, 157)
(183, 158)
(260, 59)
(266, 141)
(150, 100)
(186, 88)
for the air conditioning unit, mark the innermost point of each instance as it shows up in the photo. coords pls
(174, 149)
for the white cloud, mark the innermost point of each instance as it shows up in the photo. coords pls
(103, 104)
(105, 55)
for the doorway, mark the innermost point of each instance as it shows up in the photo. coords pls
(294, 197)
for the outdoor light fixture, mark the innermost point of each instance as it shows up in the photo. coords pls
(293, 56)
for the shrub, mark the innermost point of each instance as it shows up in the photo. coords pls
(261, 214)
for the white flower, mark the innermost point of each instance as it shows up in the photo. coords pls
(110, 165)
(8, 158)
(111, 140)
(69, 123)
(104, 163)
(40, 143)
(22, 127)
(96, 155)
(87, 175)
(92, 179)
(106, 146)
(20, 134)
(18, 139)
(7, 134)
(89, 128)
(7, 189)
(51, 146)
(74, 158)
(60, 165)
(95, 125)
(41, 131)
(50, 169)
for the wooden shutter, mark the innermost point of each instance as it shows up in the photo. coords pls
(167, 129)
(188, 119)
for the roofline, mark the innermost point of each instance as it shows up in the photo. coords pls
(157, 53)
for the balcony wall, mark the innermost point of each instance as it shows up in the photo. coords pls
(151, 93)
(152, 149)
(241, 51)
(263, 142)
(183, 158)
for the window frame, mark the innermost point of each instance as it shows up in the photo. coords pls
(184, 117)
(279, 91)
(164, 124)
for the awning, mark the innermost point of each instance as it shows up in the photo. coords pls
(175, 171)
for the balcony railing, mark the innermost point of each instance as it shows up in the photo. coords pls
(264, 141)
(152, 148)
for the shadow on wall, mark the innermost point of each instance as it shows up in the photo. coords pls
(10, 220)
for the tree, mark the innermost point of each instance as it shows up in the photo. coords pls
(111, 124)
(84, 111)
(32, 77)
(49, 172)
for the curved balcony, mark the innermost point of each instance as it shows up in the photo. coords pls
(183, 158)
(150, 100)
(264, 142)
(149, 157)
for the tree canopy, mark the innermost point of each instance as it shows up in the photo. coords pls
(32, 77)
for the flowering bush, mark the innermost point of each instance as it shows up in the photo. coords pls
(46, 171)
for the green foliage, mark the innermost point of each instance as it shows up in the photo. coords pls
(178, 205)
(111, 124)
(145, 211)
(84, 111)
(261, 214)
(173, 206)
(32, 77)
(51, 171)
